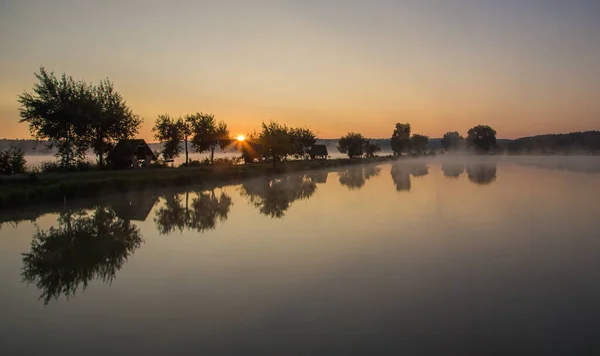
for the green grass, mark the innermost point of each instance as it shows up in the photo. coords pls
(26, 189)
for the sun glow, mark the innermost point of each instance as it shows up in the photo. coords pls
(241, 138)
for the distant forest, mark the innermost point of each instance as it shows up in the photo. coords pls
(587, 142)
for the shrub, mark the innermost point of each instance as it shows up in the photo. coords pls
(12, 161)
(55, 166)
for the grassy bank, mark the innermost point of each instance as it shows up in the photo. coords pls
(23, 190)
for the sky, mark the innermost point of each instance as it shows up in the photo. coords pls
(523, 67)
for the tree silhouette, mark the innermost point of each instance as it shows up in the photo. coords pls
(84, 246)
(112, 120)
(400, 141)
(401, 172)
(418, 143)
(201, 214)
(75, 115)
(168, 131)
(274, 196)
(353, 144)
(371, 148)
(275, 142)
(481, 173)
(208, 134)
(482, 139)
(356, 177)
(452, 141)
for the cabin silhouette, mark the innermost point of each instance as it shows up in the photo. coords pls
(131, 154)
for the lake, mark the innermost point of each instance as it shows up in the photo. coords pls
(453, 256)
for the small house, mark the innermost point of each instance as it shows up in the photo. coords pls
(318, 151)
(131, 154)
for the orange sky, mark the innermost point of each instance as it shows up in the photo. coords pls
(334, 66)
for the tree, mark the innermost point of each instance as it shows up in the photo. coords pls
(452, 141)
(59, 110)
(184, 125)
(419, 143)
(400, 141)
(302, 140)
(352, 144)
(168, 132)
(74, 116)
(275, 141)
(111, 119)
(12, 161)
(481, 138)
(84, 246)
(208, 134)
(219, 139)
(371, 148)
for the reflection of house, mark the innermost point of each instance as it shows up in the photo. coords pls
(131, 154)
(134, 206)
(318, 151)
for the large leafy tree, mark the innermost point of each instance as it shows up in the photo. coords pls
(481, 138)
(452, 141)
(352, 144)
(275, 141)
(400, 141)
(168, 131)
(75, 116)
(59, 110)
(111, 121)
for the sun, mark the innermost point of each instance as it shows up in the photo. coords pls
(241, 138)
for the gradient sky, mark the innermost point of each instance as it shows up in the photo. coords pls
(522, 66)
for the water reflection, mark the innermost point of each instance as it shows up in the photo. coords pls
(274, 196)
(401, 172)
(202, 214)
(356, 177)
(84, 246)
(453, 170)
(482, 173)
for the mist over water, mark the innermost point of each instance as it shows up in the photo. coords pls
(442, 255)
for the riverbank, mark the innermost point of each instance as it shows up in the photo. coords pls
(22, 190)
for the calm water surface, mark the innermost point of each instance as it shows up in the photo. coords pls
(453, 257)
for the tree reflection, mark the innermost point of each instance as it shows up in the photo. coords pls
(481, 173)
(84, 246)
(202, 214)
(453, 170)
(401, 172)
(274, 196)
(356, 177)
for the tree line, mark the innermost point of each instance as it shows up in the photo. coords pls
(76, 116)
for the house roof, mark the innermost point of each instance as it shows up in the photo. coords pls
(125, 148)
